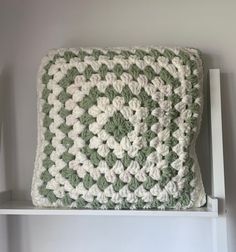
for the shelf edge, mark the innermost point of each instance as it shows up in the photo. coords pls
(11, 207)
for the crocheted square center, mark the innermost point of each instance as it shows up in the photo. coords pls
(117, 129)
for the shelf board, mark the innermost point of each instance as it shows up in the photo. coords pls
(26, 208)
(14, 207)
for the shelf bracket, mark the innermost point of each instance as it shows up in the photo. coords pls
(218, 179)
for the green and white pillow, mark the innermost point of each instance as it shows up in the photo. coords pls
(117, 129)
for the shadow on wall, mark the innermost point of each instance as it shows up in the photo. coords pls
(15, 234)
(8, 150)
(203, 140)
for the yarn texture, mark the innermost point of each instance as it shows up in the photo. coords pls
(117, 129)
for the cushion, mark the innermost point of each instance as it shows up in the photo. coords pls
(117, 129)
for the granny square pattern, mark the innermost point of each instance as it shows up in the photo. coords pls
(117, 129)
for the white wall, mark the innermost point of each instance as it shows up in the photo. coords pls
(3, 234)
(29, 28)
(9, 21)
(99, 234)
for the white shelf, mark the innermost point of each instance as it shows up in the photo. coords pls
(216, 214)
(14, 207)
(8, 206)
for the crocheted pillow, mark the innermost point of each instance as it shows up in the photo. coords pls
(117, 129)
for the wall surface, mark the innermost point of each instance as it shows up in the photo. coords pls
(28, 28)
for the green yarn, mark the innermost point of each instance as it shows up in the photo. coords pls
(95, 158)
(149, 73)
(118, 185)
(191, 121)
(86, 135)
(171, 141)
(111, 93)
(45, 79)
(118, 70)
(194, 107)
(102, 183)
(48, 135)
(46, 108)
(47, 121)
(81, 55)
(71, 176)
(184, 199)
(63, 97)
(68, 56)
(110, 205)
(69, 78)
(155, 53)
(51, 196)
(163, 181)
(48, 149)
(169, 172)
(171, 202)
(173, 114)
(88, 181)
(149, 183)
(92, 154)
(141, 157)
(140, 53)
(171, 157)
(88, 72)
(134, 184)
(184, 57)
(47, 162)
(126, 160)
(67, 142)
(47, 194)
(46, 176)
(111, 54)
(155, 204)
(172, 126)
(143, 154)
(103, 70)
(125, 54)
(64, 113)
(150, 120)
(174, 98)
(96, 53)
(149, 135)
(146, 100)
(80, 203)
(118, 126)
(194, 93)
(86, 103)
(127, 94)
(140, 204)
(169, 54)
(95, 204)
(125, 205)
(66, 200)
(111, 159)
(169, 79)
(65, 128)
(86, 119)
(134, 71)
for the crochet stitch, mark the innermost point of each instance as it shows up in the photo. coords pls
(117, 129)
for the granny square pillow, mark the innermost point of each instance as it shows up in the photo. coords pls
(117, 129)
